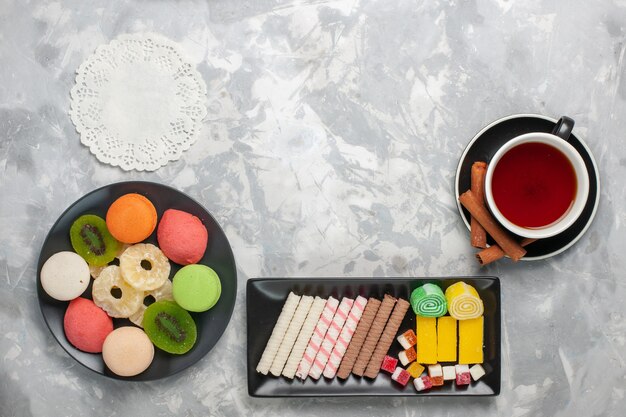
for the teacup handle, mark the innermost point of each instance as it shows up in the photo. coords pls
(563, 128)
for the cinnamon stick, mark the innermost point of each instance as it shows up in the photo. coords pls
(477, 232)
(486, 220)
(494, 252)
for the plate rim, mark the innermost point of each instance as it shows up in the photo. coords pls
(584, 145)
(39, 289)
(495, 279)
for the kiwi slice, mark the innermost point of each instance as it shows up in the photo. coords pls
(169, 327)
(91, 239)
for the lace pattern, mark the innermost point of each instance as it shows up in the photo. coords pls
(137, 104)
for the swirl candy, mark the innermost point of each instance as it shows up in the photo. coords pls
(464, 303)
(428, 301)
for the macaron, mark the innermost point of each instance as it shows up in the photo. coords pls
(127, 351)
(64, 276)
(182, 237)
(86, 325)
(131, 218)
(196, 287)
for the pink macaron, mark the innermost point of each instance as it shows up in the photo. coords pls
(86, 325)
(182, 237)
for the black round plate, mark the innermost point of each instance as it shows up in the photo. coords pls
(219, 256)
(485, 144)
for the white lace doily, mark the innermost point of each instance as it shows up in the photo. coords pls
(137, 104)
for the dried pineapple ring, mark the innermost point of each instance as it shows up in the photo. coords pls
(111, 278)
(144, 267)
(164, 292)
(95, 271)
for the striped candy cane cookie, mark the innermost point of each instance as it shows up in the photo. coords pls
(317, 338)
(358, 338)
(331, 338)
(289, 308)
(303, 338)
(344, 338)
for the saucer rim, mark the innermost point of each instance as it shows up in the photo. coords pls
(584, 145)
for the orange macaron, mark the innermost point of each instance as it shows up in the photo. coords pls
(131, 218)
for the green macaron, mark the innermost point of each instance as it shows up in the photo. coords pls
(196, 288)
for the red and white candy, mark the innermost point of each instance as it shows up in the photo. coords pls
(401, 376)
(422, 383)
(407, 356)
(407, 339)
(436, 374)
(389, 364)
(462, 374)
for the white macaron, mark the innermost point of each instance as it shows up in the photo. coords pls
(65, 276)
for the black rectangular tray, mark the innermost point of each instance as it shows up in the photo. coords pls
(265, 298)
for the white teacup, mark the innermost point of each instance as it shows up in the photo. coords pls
(582, 185)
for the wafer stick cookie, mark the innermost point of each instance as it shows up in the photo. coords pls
(344, 338)
(289, 308)
(303, 338)
(386, 339)
(358, 338)
(291, 334)
(331, 338)
(317, 337)
(373, 335)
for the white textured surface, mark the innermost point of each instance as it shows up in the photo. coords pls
(329, 149)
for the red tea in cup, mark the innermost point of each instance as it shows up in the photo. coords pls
(534, 185)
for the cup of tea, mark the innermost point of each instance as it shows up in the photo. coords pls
(536, 184)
